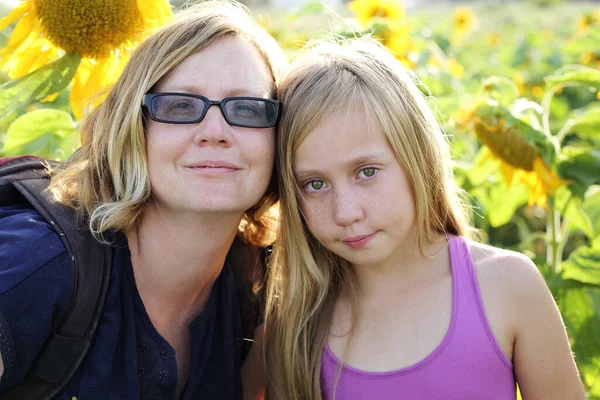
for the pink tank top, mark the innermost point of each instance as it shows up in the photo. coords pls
(467, 365)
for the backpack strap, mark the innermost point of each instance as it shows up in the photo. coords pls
(26, 177)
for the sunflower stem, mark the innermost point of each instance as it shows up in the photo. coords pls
(560, 136)
(546, 107)
(555, 237)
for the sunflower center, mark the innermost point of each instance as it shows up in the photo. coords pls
(506, 144)
(380, 12)
(88, 28)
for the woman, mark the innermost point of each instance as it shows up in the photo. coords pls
(376, 291)
(175, 164)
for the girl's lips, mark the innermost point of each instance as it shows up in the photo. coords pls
(358, 242)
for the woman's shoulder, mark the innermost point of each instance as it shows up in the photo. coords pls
(27, 243)
(36, 281)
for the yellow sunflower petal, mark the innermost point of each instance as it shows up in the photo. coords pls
(35, 53)
(50, 98)
(86, 90)
(537, 195)
(23, 63)
(19, 35)
(485, 155)
(365, 10)
(76, 95)
(14, 15)
(454, 68)
(155, 13)
(508, 173)
(45, 55)
(546, 175)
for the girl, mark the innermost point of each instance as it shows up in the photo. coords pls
(376, 290)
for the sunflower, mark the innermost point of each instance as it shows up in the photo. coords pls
(396, 37)
(519, 81)
(366, 10)
(494, 38)
(450, 65)
(101, 32)
(587, 20)
(591, 59)
(463, 20)
(524, 152)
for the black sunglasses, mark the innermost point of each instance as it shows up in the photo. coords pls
(185, 108)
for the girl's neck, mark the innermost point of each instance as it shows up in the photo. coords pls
(406, 266)
(176, 258)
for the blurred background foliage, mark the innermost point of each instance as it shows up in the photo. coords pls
(515, 84)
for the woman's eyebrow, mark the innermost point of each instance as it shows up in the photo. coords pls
(251, 91)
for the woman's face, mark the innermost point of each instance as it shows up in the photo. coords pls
(211, 166)
(355, 197)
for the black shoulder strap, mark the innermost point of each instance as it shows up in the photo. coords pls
(26, 177)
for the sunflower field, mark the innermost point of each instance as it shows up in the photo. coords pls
(516, 85)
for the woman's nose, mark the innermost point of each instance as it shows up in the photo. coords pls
(213, 129)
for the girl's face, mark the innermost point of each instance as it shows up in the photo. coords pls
(355, 196)
(211, 166)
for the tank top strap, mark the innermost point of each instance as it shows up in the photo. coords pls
(461, 263)
(470, 310)
(465, 281)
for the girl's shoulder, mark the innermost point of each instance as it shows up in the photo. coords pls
(510, 280)
(505, 269)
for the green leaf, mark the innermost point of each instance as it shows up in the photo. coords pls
(580, 309)
(557, 282)
(48, 146)
(501, 202)
(308, 9)
(583, 265)
(587, 122)
(575, 75)
(570, 206)
(580, 219)
(36, 124)
(483, 166)
(499, 88)
(587, 43)
(580, 165)
(591, 206)
(40, 83)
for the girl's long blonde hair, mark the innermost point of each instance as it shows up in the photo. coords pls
(106, 180)
(305, 278)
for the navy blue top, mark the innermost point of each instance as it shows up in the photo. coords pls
(128, 359)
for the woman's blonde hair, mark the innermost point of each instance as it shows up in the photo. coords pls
(305, 278)
(106, 179)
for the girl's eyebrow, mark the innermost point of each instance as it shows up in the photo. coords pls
(376, 157)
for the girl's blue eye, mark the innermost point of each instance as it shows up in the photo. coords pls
(368, 172)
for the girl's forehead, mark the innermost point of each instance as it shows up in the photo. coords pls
(339, 140)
